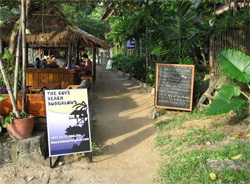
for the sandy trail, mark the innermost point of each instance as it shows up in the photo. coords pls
(124, 136)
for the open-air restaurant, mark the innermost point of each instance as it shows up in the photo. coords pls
(57, 58)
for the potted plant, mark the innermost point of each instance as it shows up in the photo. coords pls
(19, 128)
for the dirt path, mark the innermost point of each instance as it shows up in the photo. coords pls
(124, 136)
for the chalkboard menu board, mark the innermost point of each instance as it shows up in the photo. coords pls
(174, 86)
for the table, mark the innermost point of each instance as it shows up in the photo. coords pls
(46, 85)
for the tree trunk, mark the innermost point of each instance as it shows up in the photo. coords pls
(12, 42)
(147, 55)
(1, 46)
(203, 56)
(24, 54)
(195, 57)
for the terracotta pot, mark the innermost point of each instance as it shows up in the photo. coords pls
(21, 128)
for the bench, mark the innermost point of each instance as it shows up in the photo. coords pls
(85, 77)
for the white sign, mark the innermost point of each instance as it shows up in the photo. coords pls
(68, 126)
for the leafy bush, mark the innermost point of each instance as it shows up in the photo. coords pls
(8, 61)
(138, 67)
(120, 62)
(134, 64)
(186, 61)
(151, 73)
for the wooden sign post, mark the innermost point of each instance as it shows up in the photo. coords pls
(174, 86)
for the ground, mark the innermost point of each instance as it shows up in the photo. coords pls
(124, 136)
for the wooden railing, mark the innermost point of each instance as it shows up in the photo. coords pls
(65, 77)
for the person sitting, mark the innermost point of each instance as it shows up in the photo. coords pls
(86, 69)
(37, 63)
(73, 64)
(43, 64)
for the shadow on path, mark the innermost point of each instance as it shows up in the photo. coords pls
(121, 111)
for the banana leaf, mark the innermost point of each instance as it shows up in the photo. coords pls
(224, 101)
(236, 64)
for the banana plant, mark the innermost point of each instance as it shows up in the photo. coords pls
(236, 65)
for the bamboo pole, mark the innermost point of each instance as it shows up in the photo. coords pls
(17, 62)
(24, 53)
(7, 83)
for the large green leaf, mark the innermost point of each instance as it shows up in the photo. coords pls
(236, 64)
(223, 103)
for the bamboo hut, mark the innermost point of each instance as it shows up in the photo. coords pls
(51, 32)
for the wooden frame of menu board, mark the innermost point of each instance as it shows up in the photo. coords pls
(174, 86)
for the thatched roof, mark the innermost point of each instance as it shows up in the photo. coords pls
(54, 27)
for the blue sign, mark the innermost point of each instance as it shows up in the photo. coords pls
(130, 44)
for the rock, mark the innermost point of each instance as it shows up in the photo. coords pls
(32, 149)
(217, 165)
(29, 178)
(153, 113)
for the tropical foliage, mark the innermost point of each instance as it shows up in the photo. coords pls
(134, 64)
(237, 66)
(6, 13)
(90, 18)
(172, 30)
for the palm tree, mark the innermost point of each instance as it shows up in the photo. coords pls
(176, 33)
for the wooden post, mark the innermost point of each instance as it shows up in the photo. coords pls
(68, 57)
(77, 53)
(39, 54)
(1, 45)
(32, 55)
(211, 55)
(94, 63)
(49, 53)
